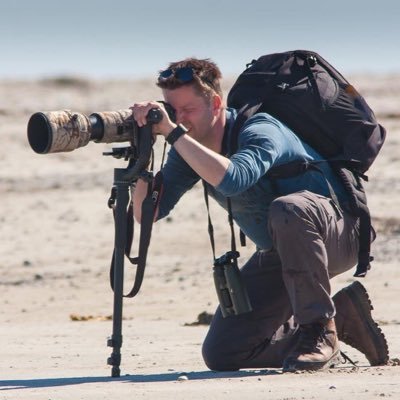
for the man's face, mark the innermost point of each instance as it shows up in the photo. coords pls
(192, 110)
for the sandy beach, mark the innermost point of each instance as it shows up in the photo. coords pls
(57, 237)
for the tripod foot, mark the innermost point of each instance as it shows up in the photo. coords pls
(115, 372)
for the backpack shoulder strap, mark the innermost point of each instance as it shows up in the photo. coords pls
(243, 115)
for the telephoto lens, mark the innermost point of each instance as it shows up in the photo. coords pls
(64, 130)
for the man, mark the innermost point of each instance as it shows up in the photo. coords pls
(302, 237)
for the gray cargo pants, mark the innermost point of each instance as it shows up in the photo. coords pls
(287, 286)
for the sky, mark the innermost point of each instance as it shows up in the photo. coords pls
(133, 39)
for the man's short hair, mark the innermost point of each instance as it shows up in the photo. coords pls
(203, 74)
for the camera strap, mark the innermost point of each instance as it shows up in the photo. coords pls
(149, 207)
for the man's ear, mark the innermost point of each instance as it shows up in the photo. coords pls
(217, 103)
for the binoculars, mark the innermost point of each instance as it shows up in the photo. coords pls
(231, 290)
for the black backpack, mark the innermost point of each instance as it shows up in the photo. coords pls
(311, 97)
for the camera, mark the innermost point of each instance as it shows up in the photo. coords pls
(64, 130)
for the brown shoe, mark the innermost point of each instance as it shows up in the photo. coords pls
(317, 348)
(355, 326)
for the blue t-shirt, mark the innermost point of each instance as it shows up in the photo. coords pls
(263, 142)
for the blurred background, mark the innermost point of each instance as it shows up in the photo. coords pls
(133, 39)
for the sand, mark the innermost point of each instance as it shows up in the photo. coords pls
(56, 243)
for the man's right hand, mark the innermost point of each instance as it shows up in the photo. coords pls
(140, 111)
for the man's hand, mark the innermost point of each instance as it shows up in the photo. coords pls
(140, 111)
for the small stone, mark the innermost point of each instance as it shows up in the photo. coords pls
(26, 263)
(332, 387)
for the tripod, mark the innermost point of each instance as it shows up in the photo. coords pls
(138, 154)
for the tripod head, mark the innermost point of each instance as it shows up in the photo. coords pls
(140, 151)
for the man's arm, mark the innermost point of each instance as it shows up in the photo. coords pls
(138, 195)
(208, 164)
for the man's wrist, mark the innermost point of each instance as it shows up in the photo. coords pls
(175, 134)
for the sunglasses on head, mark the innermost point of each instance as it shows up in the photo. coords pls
(182, 75)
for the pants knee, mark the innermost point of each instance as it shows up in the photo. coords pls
(215, 359)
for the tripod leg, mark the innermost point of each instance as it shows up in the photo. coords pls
(115, 341)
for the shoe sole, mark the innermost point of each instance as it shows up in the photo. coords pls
(313, 366)
(359, 297)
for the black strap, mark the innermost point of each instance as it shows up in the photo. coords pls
(294, 168)
(232, 228)
(242, 238)
(229, 134)
(243, 115)
(149, 207)
(175, 134)
(358, 207)
(231, 225)
(310, 61)
(210, 225)
(364, 256)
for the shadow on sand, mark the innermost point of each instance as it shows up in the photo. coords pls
(15, 384)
